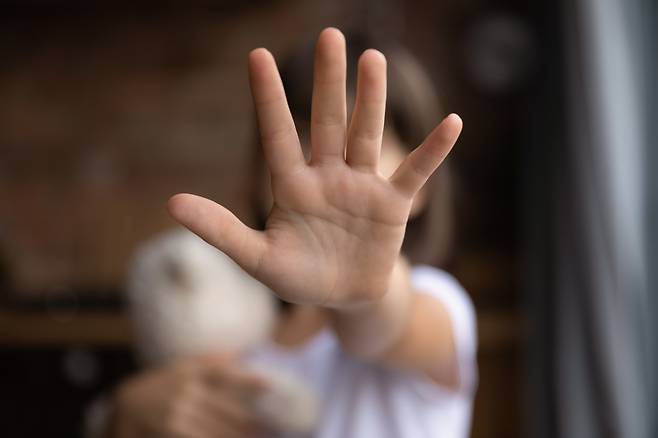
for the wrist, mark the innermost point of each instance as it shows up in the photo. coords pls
(396, 289)
(396, 283)
(369, 329)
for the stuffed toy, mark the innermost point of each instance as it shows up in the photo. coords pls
(187, 298)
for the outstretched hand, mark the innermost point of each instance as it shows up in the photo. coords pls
(336, 228)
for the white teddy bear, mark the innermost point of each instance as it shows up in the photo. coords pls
(188, 298)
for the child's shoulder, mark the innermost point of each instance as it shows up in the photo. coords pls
(445, 287)
(433, 280)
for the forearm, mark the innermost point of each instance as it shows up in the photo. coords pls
(370, 329)
(405, 329)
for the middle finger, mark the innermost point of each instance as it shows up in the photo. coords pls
(328, 111)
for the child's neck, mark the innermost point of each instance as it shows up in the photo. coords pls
(299, 324)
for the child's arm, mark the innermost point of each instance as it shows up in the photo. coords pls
(334, 234)
(404, 328)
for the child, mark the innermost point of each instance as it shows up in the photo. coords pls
(390, 348)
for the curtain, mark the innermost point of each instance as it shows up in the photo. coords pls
(591, 225)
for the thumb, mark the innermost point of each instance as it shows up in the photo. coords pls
(220, 228)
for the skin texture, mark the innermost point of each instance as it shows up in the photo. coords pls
(331, 244)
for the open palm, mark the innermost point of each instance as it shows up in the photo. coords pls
(336, 228)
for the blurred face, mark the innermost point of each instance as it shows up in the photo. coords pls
(392, 154)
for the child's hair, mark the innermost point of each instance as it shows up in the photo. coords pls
(412, 111)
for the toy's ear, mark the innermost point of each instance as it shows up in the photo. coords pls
(175, 273)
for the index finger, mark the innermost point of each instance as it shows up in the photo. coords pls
(277, 128)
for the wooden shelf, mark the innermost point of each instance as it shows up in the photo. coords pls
(495, 329)
(40, 328)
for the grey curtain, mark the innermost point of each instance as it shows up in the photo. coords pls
(591, 230)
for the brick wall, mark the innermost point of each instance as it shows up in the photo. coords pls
(104, 113)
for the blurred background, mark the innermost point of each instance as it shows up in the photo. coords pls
(107, 109)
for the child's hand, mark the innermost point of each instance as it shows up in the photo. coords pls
(200, 397)
(336, 227)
